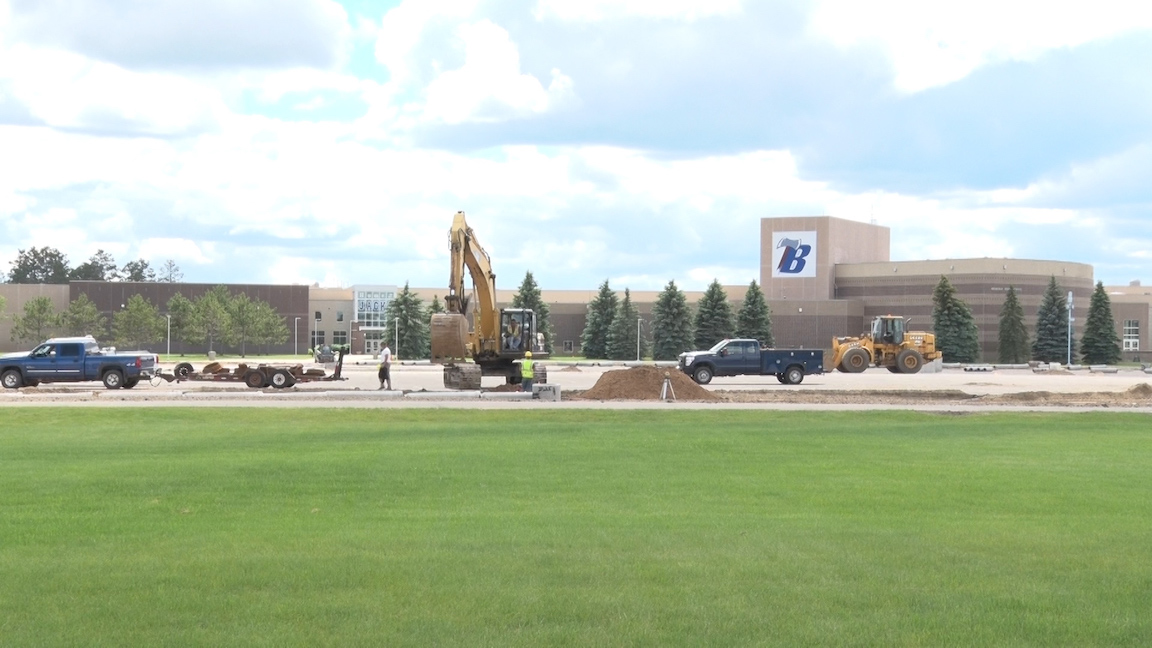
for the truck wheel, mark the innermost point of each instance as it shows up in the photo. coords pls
(780, 378)
(283, 379)
(254, 379)
(793, 375)
(855, 361)
(113, 379)
(702, 375)
(909, 361)
(129, 383)
(183, 369)
(12, 379)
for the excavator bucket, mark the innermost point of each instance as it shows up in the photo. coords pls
(449, 337)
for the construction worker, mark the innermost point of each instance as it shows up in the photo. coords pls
(526, 372)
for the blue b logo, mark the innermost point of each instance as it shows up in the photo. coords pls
(792, 261)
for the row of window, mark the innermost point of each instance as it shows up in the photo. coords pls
(1131, 335)
(319, 338)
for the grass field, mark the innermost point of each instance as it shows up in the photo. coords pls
(234, 527)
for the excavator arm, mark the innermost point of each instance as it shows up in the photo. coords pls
(468, 255)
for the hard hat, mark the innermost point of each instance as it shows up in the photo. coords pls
(527, 354)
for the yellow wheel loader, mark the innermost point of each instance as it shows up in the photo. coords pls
(887, 345)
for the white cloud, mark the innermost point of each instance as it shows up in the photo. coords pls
(935, 43)
(600, 10)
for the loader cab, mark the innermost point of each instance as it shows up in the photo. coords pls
(888, 329)
(517, 330)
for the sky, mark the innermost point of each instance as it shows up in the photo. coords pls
(634, 141)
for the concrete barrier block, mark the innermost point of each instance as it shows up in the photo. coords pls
(935, 366)
(546, 392)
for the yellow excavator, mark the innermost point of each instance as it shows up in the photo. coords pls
(498, 337)
(887, 345)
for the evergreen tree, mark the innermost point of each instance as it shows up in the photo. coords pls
(1101, 345)
(435, 307)
(754, 320)
(101, 267)
(414, 341)
(714, 320)
(182, 312)
(528, 296)
(39, 266)
(601, 311)
(138, 325)
(82, 318)
(1052, 343)
(672, 332)
(269, 327)
(39, 320)
(956, 334)
(242, 312)
(1013, 334)
(622, 334)
(170, 272)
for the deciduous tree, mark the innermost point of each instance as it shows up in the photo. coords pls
(714, 321)
(183, 318)
(139, 325)
(170, 272)
(137, 270)
(39, 266)
(37, 323)
(1100, 345)
(101, 267)
(601, 311)
(672, 332)
(211, 323)
(754, 320)
(956, 334)
(1013, 334)
(1052, 342)
(528, 296)
(83, 318)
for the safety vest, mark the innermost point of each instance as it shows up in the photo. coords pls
(526, 368)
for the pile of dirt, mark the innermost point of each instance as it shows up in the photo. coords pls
(646, 383)
(506, 387)
(571, 368)
(1141, 390)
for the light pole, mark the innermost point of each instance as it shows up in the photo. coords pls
(638, 320)
(1070, 328)
(296, 330)
(396, 332)
(169, 318)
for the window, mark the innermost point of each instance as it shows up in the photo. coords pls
(339, 318)
(1131, 335)
(317, 316)
(70, 350)
(317, 339)
(339, 337)
(568, 346)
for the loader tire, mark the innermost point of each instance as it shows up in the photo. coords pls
(855, 361)
(909, 361)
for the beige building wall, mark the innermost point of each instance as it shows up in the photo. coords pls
(837, 241)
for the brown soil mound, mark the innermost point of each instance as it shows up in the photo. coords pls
(645, 383)
(571, 368)
(1143, 389)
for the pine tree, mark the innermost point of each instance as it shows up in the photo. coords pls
(1101, 345)
(1051, 343)
(1013, 335)
(82, 318)
(714, 320)
(414, 340)
(435, 307)
(754, 320)
(601, 311)
(528, 296)
(671, 324)
(622, 334)
(956, 334)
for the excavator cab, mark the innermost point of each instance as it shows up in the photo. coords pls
(888, 329)
(517, 331)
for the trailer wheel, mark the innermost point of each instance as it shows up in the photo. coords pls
(283, 379)
(793, 375)
(855, 361)
(12, 379)
(254, 379)
(702, 374)
(183, 369)
(113, 379)
(909, 361)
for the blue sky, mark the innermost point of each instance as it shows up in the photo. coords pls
(640, 141)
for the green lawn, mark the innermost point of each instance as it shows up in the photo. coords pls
(291, 527)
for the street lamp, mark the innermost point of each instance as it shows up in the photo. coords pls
(296, 330)
(169, 317)
(638, 320)
(1070, 319)
(396, 331)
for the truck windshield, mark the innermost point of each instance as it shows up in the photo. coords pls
(716, 347)
(42, 351)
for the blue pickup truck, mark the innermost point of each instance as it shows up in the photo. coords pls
(75, 359)
(745, 357)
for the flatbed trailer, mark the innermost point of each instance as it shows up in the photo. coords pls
(255, 376)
